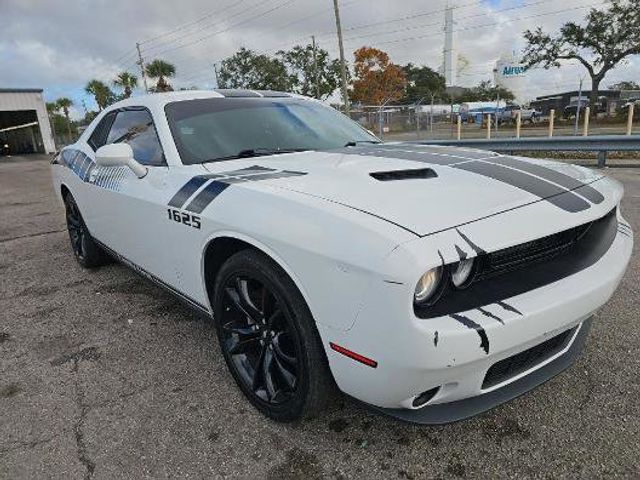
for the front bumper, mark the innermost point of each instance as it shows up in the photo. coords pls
(469, 407)
(421, 354)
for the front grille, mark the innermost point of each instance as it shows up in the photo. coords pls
(522, 268)
(529, 253)
(523, 361)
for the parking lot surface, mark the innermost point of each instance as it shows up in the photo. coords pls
(103, 375)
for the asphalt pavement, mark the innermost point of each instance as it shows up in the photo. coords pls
(103, 375)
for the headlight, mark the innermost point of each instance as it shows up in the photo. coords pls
(428, 285)
(462, 272)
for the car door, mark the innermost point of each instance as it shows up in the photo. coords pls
(125, 208)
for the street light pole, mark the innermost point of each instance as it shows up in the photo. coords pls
(575, 127)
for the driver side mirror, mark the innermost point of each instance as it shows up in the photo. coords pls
(119, 155)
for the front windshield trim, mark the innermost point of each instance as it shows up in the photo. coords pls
(316, 138)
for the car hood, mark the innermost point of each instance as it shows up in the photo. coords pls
(425, 189)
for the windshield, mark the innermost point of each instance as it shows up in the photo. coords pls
(216, 129)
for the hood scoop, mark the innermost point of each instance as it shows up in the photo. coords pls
(412, 174)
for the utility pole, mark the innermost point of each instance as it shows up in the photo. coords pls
(215, 73)
(142, 70)
(450, 54)
(315, 66)
(343, 65)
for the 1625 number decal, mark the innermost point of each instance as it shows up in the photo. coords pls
(183, 217)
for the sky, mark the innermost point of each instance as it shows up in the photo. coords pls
(60, 45)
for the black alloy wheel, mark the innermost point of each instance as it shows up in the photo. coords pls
(86, 250)
(260, 339)
(269, 339)
(76, 228)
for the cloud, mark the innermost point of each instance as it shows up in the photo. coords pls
(61, 45)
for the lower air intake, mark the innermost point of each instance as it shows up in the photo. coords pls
(523, 361)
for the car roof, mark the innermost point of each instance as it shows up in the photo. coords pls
(161, 99)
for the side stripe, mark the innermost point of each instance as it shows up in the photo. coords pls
(246, 171)
(273, 176)
(554, 176)
(186, 191)
(219, 182)
(206, 196)
(551, 193)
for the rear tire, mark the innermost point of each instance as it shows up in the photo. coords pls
(85, 249)
(269, 339)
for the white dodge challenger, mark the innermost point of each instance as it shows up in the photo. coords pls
(430, 283)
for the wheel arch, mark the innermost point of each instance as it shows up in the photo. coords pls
(223, 245)
(64, 191)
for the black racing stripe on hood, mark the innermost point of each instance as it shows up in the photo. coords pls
(549, 192)
(554, 176)
(416, 156)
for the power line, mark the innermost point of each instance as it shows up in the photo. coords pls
(439, 24)
(201, 39)
(165, 43)
(493, 24)
(187, 25)
(406, 17)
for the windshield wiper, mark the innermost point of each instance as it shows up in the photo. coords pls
(355, 143)
(258, 152)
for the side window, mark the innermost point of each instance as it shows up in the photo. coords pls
(99, 135)
(135, 127)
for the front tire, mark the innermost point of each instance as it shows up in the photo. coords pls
(87, 252)
(269, 339)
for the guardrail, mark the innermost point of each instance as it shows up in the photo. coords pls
(602, 144)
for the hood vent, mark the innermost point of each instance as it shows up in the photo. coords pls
(412, 174)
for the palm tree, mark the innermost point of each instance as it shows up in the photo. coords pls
(65, 103)
(52, 107)
(160, 69)
(127, 82)
(101, 92)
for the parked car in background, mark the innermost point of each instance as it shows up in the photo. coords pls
(509, 114)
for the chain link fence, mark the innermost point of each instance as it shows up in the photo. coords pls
(438, 121)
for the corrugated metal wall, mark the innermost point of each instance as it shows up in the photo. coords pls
(12, 101)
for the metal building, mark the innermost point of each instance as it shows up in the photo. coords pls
(24, 123)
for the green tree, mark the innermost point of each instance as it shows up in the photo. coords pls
(64, 104)
(127, 82)
(314, 77)
(485, 91)
(422, 83)
(247, 69)
(52, 108)
(608, 38)
(625, 85)
(101, 93)
(161, 70)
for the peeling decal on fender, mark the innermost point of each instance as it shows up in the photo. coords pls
(476, 248)
(490, 315)
(508, 307)
(461, 253)
(467, 322)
